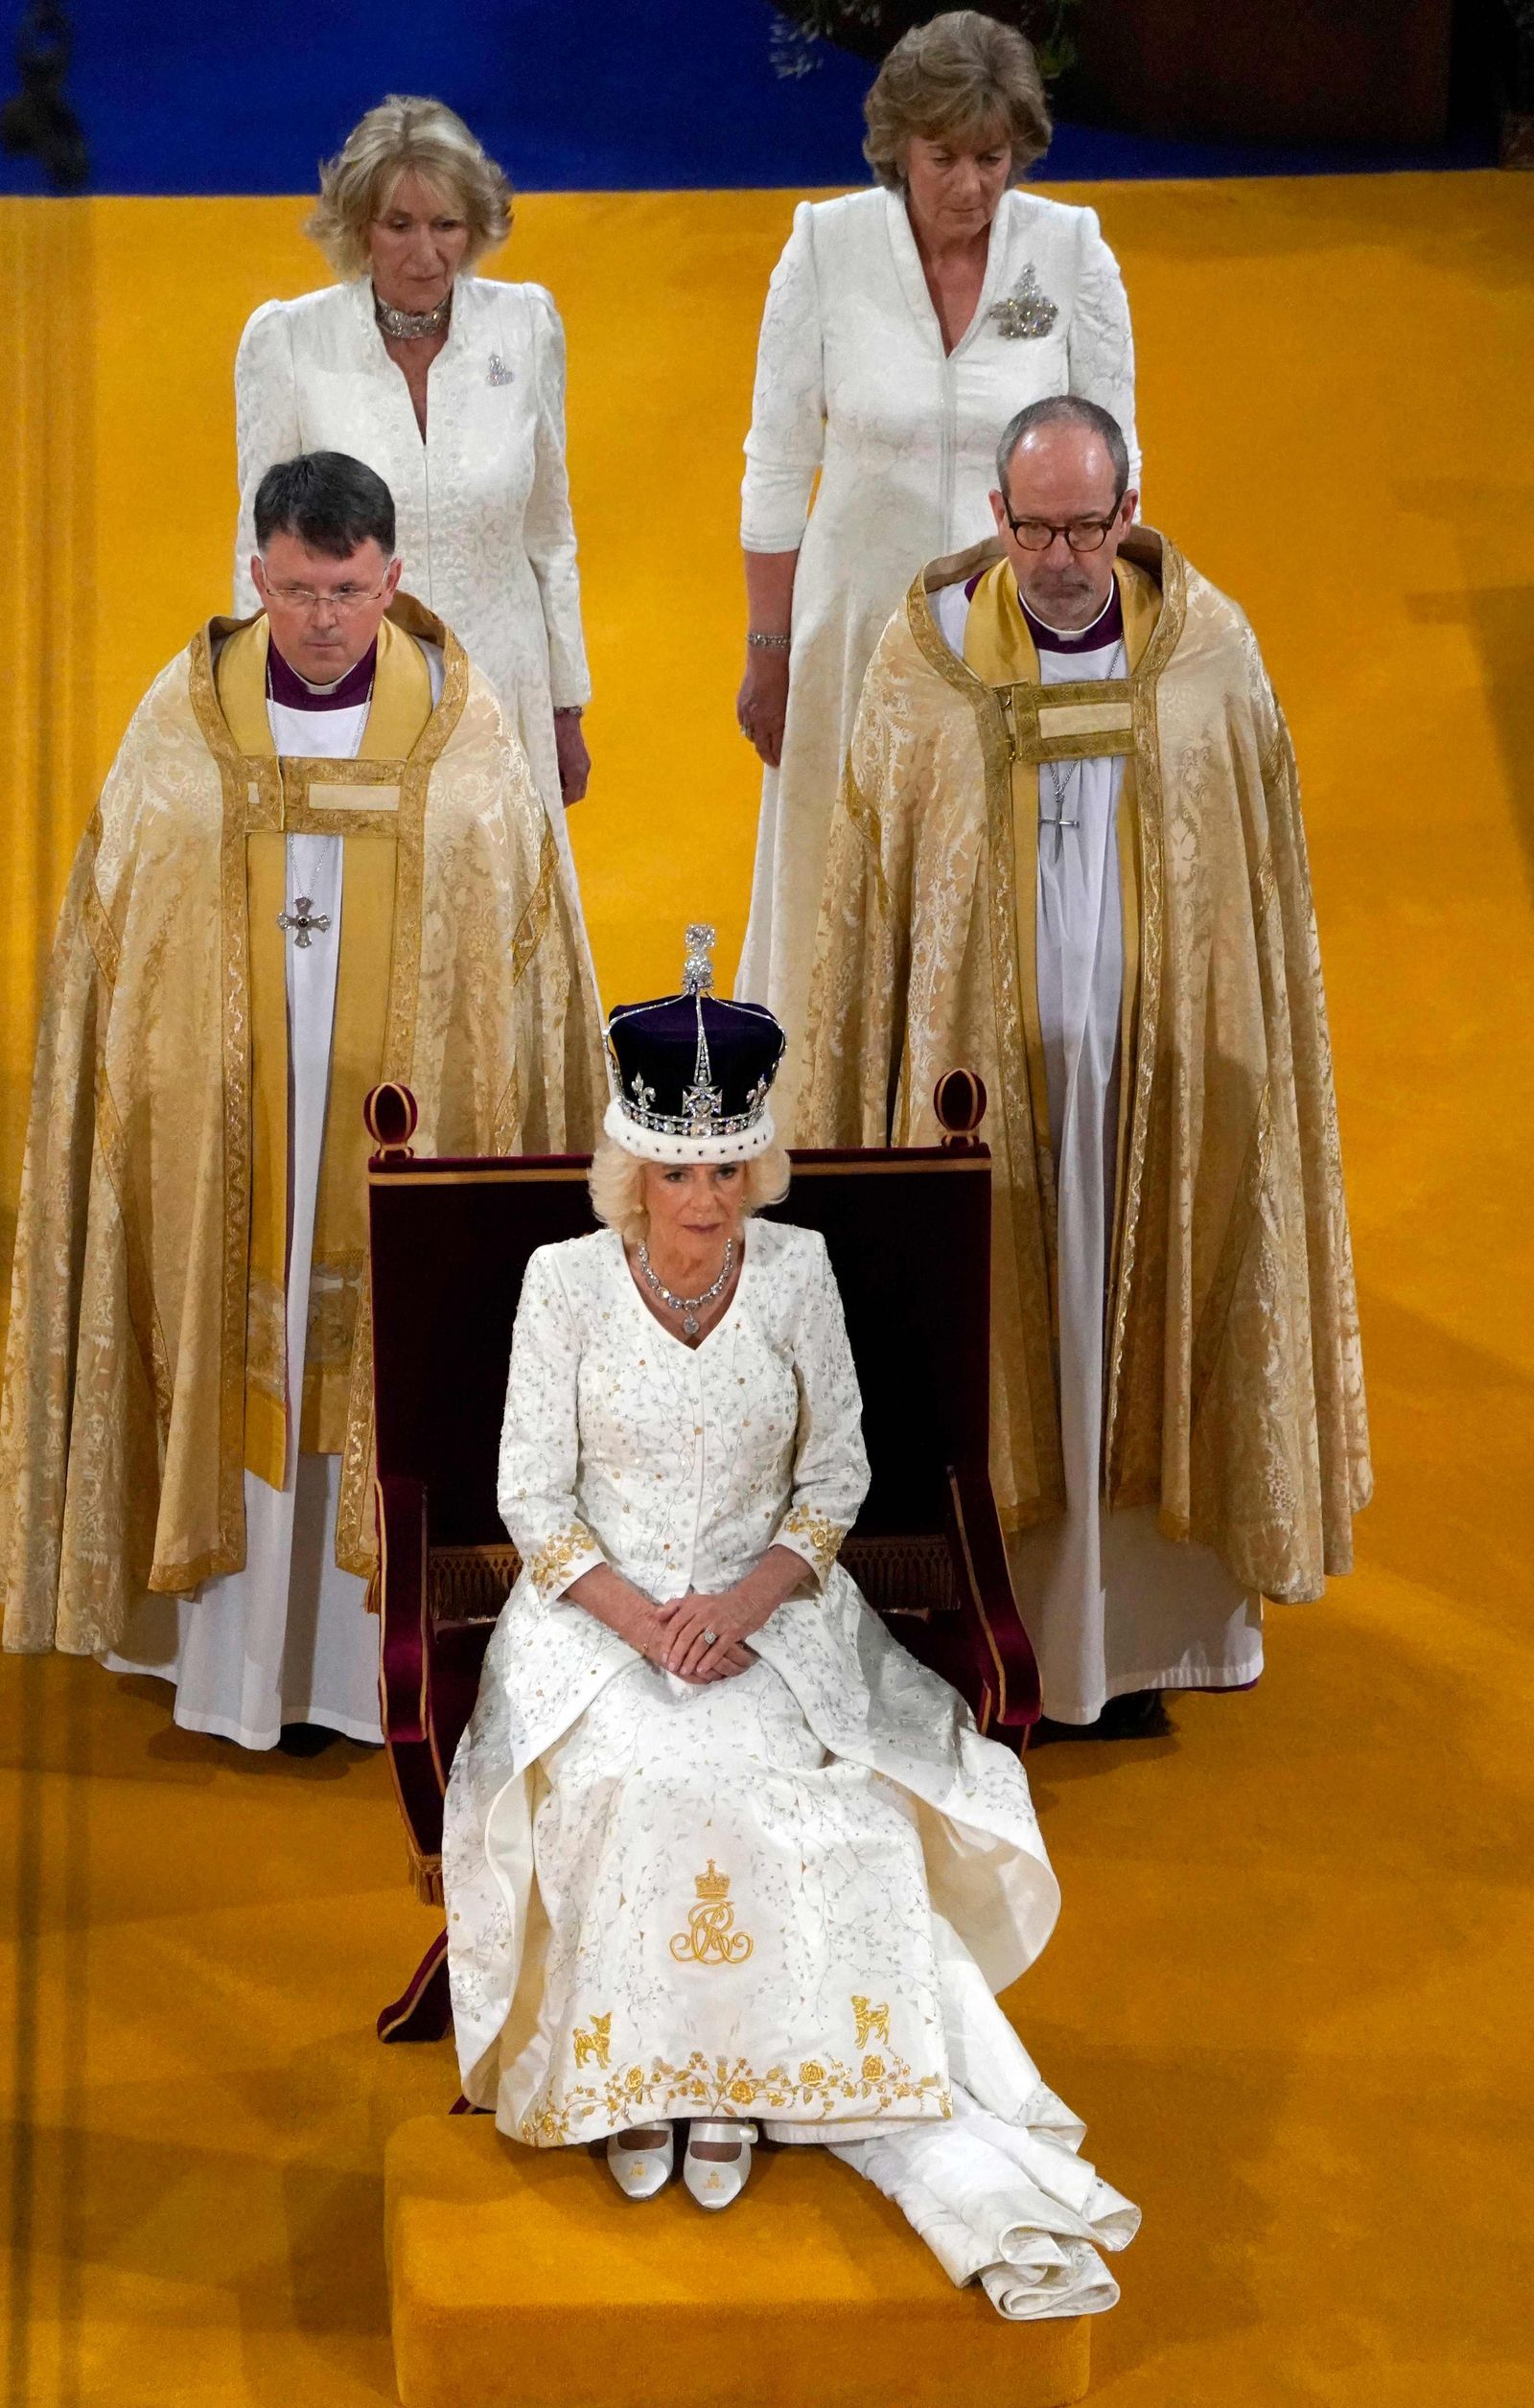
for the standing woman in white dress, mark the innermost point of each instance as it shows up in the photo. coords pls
(904, 328)
(452, 388)
(715, 1847)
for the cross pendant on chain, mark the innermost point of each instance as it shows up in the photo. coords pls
(303, 921)
(1060, 822)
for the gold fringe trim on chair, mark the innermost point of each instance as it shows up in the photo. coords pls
(470, 1584)
(903, 1575)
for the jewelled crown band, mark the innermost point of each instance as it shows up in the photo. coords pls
(692, 1071)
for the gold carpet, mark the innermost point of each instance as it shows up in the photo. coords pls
(1289, 1988)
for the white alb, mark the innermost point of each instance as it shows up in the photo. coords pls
(787, 1898)
(1111, 1604)
(853, 384)
(288, 1639)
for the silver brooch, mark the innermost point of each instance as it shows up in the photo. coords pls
(1027, 309)
(499, 373)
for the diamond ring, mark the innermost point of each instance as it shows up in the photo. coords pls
(711, 1639)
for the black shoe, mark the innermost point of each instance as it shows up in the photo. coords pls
(1139, 1714)
(306, 1739)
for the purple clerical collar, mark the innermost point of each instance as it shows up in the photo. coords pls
(1108, 628)
(285, 686)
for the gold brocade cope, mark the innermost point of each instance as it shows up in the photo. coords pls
(123, 1403)
(1082, 719)
(307, 789)
(1234, 1385)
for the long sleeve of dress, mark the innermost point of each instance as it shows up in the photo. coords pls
(1101, 346)
(784, 446)
(549, 529)
(831, 1465)
(540, 1443)
(266, 427)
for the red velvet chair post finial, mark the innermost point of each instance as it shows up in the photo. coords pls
(959, 1100)
(392, 1113)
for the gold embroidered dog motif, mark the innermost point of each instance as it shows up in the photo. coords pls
(871, 2020)
(594, 2043)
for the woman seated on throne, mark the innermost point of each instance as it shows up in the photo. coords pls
(720, 1853)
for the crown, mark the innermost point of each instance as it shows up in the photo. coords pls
(712, 1884)
(692, 1071)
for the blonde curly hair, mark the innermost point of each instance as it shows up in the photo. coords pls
(404, 133)
(961, 78)
(618, 1187)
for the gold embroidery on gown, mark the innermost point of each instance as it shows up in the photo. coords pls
(710, 1937)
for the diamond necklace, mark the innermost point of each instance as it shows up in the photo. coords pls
(687, 1305)
(410, 326)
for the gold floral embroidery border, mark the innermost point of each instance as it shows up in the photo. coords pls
(559, 1551)
(819, 1533)
(836, 2091)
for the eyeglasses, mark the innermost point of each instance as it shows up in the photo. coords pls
(1082, 535)
(344, 600)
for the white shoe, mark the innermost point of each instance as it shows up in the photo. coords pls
(641, 2169)
(715, 2182)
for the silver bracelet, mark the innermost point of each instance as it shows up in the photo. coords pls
(768, 643)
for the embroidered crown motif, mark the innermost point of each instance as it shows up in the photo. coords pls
(712, 1884)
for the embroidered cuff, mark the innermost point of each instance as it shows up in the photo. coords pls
(563, 1555)
(813, 1535)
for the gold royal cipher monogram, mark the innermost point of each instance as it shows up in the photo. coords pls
(710, 1937)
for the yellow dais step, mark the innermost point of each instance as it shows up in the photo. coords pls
(521, 2279)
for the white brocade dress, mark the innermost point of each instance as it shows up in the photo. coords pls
(482, 502)
(853, 385)
(791, 1896)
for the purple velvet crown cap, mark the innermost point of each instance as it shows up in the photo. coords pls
(692, 1073)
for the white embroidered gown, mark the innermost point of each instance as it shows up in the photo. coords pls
(790, 1895)
(482, 503)
(853, 385)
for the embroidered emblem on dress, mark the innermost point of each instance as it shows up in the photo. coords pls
(710, 1937)
(870, 2019)
(498, 372)
(1026, 310)
(594, 2043)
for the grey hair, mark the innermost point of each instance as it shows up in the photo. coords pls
(1067, 409)
(617, 1184)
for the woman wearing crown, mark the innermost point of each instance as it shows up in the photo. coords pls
(717, 1851)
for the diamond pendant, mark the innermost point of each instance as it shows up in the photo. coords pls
(691, 1325)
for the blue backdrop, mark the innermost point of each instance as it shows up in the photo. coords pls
(185, 96)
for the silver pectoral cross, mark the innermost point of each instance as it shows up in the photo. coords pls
(1059, 786)
(303, 921)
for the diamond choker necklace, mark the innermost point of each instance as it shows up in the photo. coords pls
(407, 326)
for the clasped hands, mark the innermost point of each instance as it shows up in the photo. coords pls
(674, 1634)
